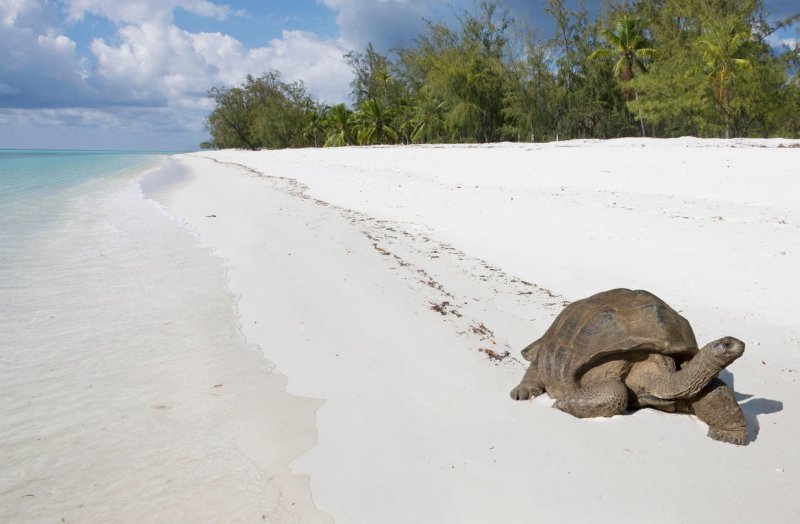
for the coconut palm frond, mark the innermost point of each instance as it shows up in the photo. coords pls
(628, 42)
(646, 53)
(619, 67)
(373, 124)
(338, 121)
(603, 52)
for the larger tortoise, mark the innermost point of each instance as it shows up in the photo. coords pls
(623, 349)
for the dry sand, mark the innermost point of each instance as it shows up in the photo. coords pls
(383, 280)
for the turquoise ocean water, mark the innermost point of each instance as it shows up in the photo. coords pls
(35, 185)
(26, 173)
(42, 194)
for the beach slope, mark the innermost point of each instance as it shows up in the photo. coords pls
(398, 284)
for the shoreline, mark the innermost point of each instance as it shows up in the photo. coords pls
(129, 394)
(367, 275)
(289, 429)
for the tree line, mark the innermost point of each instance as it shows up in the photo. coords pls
(662, 68)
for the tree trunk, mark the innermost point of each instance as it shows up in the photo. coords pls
(639, 108)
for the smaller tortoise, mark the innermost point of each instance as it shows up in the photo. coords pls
(623, 349)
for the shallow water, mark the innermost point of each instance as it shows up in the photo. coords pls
(127, 392)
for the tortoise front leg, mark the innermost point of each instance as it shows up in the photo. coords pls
(600, 400)
(716, 406)
(531, 385)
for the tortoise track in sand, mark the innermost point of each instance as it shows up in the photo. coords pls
(469, 293)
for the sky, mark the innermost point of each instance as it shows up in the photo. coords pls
(133, 74)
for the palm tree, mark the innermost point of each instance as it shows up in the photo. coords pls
(385, 79)
(372, 124)
(338, 123)
(314, 121)
(725, 47)
(427, 120)
(631, 49)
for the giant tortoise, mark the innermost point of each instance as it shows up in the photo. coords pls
(624, 349)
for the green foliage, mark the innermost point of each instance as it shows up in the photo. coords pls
(373, 78)
(263, 112)
(228, 123)
(631, 50)
(662, 67)
(629, 46)
(314, 120)
(673, 99)
(278, 110)
(530, 98)
(458, 76)
(716, 75)
(426, 121)
(372, 124)
(339, 123)
(726, 47)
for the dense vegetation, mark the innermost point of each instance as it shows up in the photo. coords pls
(661, 68)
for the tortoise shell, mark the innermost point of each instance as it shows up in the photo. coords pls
(609, 325)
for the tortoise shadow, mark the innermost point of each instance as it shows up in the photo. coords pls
(755, 407)
(752, 408)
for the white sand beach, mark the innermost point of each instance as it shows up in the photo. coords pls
(383, 280)
(356, 368)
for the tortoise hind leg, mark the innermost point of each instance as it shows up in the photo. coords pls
(531, 385)
(600, 400)
(716, 406)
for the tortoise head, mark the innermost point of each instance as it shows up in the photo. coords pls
(725, 350)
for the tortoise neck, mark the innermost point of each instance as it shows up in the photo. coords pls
(690, 379)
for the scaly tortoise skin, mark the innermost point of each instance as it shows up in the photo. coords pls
(624, 349)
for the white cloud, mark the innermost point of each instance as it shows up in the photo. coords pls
(384, 23)
(150, 75)
(58, 44)
(156, 64)
(39, 15)
(781, 39)
(40, 66)
(126, 127)
(303, 56)
(150, 61)
(76, 117)
(143, 11)
(11, 9)
(150, 64)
